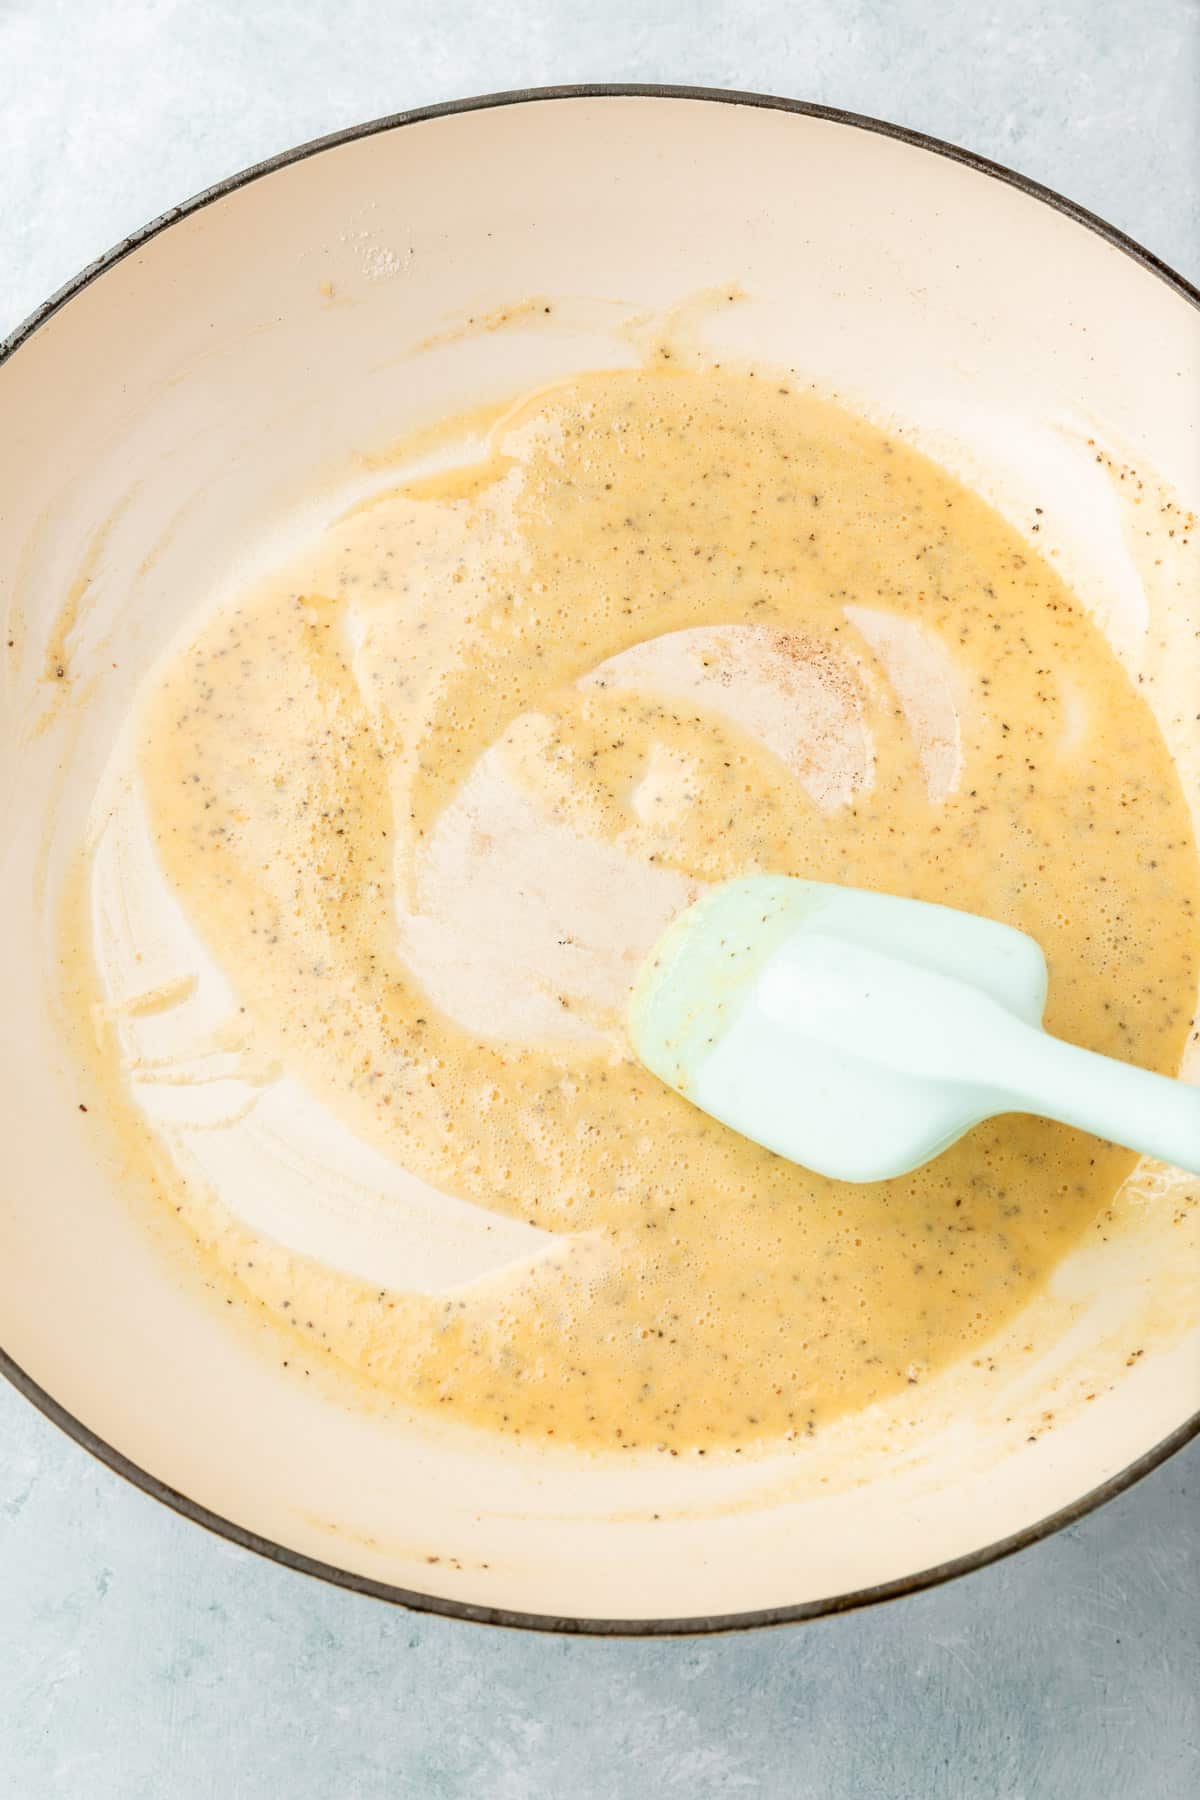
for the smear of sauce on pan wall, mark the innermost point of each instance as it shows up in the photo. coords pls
(428, 796)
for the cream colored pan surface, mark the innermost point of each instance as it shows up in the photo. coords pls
(181, 414)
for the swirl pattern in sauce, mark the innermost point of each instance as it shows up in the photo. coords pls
(429, 794)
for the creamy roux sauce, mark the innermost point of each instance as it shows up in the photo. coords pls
(877, 682)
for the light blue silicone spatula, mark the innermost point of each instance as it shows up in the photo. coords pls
(860, 1034)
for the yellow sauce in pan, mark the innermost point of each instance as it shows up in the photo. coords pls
(971, 740)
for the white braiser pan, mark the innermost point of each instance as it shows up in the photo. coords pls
(183, 406)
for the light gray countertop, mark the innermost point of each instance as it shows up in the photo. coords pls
(141, 1659)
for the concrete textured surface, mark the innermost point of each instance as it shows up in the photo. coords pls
(142, 1660)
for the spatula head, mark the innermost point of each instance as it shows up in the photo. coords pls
(852, 1032)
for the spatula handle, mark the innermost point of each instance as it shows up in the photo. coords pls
(1149, 1113)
